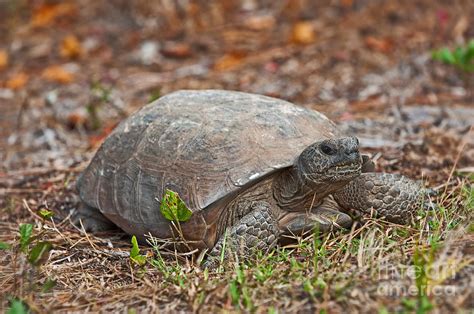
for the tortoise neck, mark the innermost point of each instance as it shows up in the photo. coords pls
(293, 192)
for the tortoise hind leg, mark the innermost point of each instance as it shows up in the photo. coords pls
(258, 230)
(92, 219)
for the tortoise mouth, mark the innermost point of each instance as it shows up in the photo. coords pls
(344, 171)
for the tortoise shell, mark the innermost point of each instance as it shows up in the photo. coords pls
(205, 145)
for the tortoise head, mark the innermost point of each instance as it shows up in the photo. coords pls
(330, 162)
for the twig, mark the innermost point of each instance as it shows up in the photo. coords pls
(458, 156)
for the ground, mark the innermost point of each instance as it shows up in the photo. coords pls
(70, 71)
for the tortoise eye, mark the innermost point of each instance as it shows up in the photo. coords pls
(327, 149)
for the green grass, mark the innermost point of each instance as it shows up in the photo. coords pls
(378, 266)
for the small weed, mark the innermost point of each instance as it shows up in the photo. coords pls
(221, 258)
(37, 254)
(26, 230)
(462, 57)
(17, 307)
(422, 263)
(264, 271)
(239, 290)
(172, 271)
(468, 195)
(28, 254)
(135, 255)
(45, 213)
(314, 286)
(272, 310)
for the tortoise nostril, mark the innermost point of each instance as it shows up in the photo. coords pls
(353, 156)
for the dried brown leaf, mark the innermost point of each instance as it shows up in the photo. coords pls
(17, 81)
(347, 3)
(303, 33)
(3, 59)
(176, 50)
(96, 140)
(260, 22)
(70, 47)
(228, 61)
(47, 13)
(57, 73)
(383, 45)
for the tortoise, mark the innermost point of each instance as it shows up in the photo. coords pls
(251, 169)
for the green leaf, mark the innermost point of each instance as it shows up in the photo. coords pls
(135, 255)
(139, 259)
(470, 46)
(48, 285)
(17, 307)
(173, 207)
(461, 57)
(45, 214)
(25, 235)
(469, 56)
(135, 251)
(4, 246)
(444, 55)
(39, 253)
(184, 213)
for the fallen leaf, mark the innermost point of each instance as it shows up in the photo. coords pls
(383, 45)
(3, 59)
(77, 118)
(176, 50)
(260, 22)
(228, 61)
(17, 81)
(347, 3)
(96, 140)
(70, 47)
(57, 73)
(303, 33)
(47, 13)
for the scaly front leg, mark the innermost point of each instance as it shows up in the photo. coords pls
(391, 196)
(258, 230)
(325, 217)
